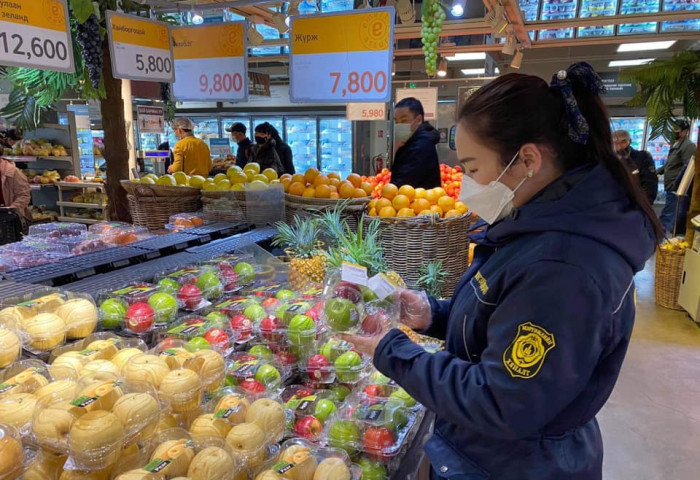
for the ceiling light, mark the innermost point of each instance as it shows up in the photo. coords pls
(496, 71)
(442, 68)
(517, 59)
(638, 47)
(467, 56)
(292, 11)
(473, 71)
(196, 18)
(630, 63)
(458, 7)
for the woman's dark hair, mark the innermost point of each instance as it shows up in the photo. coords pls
(276, 135)
(413, 104)
(516, 109)
(264, 128)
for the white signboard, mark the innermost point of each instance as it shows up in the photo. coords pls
(427, 96)
(366, 111)
(219, 146)
(151, 119)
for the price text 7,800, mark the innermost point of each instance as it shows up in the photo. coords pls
(220, 83)
(366, 82)
(153, 64)
(37, 48)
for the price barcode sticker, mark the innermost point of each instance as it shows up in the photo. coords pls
(352, 273)
(382, 285)
(141, 49)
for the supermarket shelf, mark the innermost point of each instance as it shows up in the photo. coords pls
(50, 274)
(81, 185)
(228, 245)
(88, 221)
(169, 243)
(30, 159)
(81, 205)
(15, 289)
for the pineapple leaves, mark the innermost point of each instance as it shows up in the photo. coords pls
(432, 278)
(302, 236)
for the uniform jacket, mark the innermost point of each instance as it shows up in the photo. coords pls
(642, 165)
(535, 337)
(416, 162)
(15, 188)
(677, 159)
(284, 151)
(192, 156)
(266, 156)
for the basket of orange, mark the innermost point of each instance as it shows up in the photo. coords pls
(420, 226)
(314, 192)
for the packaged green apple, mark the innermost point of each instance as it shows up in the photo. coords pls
(334, 360)
(212, 331)
(312, 409)
(298, 459)
(194, 286)
(373, 391)
(138, 307)
(255, 374)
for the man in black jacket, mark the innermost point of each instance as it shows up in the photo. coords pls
(640, 163)
(238, 133)
(415, 160)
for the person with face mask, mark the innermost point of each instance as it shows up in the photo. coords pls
(678, 157)
(416, 161)
(537, 329)
(264, 152)
(190, 154)
(640, 163)
(238, 133)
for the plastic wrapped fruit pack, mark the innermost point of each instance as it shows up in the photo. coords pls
(118, 233)
(312, 410)
(57, 230)
(196, 286)
(11, 340)
(11, 453)
(138, 307)
(212, 331)
(335, 361)
(33, 254)
(299, 460)
(183, 221)
(384, 392)
(254, 374)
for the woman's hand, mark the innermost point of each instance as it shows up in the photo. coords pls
(415, 309)
(367, 344)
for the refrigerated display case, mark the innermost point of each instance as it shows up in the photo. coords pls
(630, 7)
(302, 135)
(206, 128)
(658, 148)
(681, 25)
(635, 126)
(558, 10)
(336, 145)
(597, 8)
(276, 122)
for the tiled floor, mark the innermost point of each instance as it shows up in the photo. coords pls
(651, 424)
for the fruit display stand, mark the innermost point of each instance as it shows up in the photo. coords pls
(151, 206)
(98, 210)
(669, 272)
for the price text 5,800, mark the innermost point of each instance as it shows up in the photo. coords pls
(366, 82)
(37, 48)
(220, 83)
(153, 64)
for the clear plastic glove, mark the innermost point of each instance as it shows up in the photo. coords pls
(416, 312)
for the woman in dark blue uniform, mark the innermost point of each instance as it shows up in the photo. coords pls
(538, 327)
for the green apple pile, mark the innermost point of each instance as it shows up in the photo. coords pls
(432, 18)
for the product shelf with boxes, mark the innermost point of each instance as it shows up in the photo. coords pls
(85, 196)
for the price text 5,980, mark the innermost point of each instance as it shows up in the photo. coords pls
(366, 82)
(153, 64)
(220, 83)
(373, 113)
(37, 48)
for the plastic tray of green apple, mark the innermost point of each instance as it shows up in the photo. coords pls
(234, 309)
(379, 429)
(255, 374)
(138, 306)
(311, 408)
(271, 290)
(334, 360)
(285, 355)
(388, 392)
(193, 285)
(243, 265)
(212, 331)
(298, 459)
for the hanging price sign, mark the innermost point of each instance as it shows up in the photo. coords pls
(342, 57)
(140, 48)
(36, 34)
(211, 63)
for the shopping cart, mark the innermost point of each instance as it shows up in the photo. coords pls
(10, 226)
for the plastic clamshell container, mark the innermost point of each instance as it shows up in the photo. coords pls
(104, 227)
(298, 459)
(230, 260)
(388, 392)
(209, 332)
(126, 235)
(335, 361)
(181, 389)
(230, 404)
(58, 229)
(254, 374)
(11, 342)
(32, 254)
(12, 454)
(186, 220)
(312, 409)
(87, 243)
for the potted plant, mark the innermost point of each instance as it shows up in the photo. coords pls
(664, 85)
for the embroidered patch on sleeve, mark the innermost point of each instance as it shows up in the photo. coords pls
(525, 355)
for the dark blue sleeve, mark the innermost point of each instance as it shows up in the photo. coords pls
(440, 310)
(492, 397)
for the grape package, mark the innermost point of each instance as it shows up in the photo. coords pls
(88, 36)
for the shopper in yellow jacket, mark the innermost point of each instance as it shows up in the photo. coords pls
(191, 155)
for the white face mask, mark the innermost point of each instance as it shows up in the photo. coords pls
(402, 132)
(490, 202)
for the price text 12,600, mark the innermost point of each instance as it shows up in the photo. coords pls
(365, 82)
(35, 47)
(153, 64)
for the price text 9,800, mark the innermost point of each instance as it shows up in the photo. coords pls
(220, 83)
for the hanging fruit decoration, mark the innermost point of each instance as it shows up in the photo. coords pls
(432, 16)
(89, 37)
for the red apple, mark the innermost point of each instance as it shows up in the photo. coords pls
(375, 442)
(190, 295)
(242, 325)
(217, 338)
(315, 312)
(286, 357)
(270, 329)
(252, 386)
(318, 368)
(230, 280)
(169, 342)
(308, 427)
(375, 391)
(139, 317)
(349, 291)
(271, 304)
(246, 358)
(373, 322)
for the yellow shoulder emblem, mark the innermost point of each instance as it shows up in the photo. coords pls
(525, 355)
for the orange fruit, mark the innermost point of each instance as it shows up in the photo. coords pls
(406, 212)
(359, 193)
(299, 178)
(335, 196)
(446, 203)
(390, 191)
(297, 188)
(409, 191)
(436, 209)
(373, 212)
(432, 196)
(323, 191)
(452, 213)
(387, 212)
(421, 192)
(311, 175)
(286, 176)
(286, 183)
(401, 201)
(355, 179)
(321, 180)
(367, 187)
(334, 175)
(420, 205)
(461, 207)
(346, 190)
(372, 204)
(383, 202)
(426, 212)
(309, 192)
(333, 188)
(333, 181)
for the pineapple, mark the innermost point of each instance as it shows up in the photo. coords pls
(307, 261)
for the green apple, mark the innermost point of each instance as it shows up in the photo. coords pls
(164, 306)
(345, 434)
(331, 349)
(260, 351)
(245, 271)
(301, 331)
(378, 378)
(403, 396)
(395, 416)
(287, 311)
(285, 295)
(368, 294)
(324, 409)
(168, 285)
(372, 470)
(255, 312)
(210, 285)
(197, 343)
(341, 314)
(268, 375)
(347, 367)
(112, 313)
(341, 392)
(217, 320)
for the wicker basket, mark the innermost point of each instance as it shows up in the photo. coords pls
(151, 190)
(224, 206)
(667, 278)
(154, 212)
(308, 207)
(263, 207)
(409, 243)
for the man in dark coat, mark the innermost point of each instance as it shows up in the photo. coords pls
(416, 161)
(640, 163)
(678, 157)
(238, 133)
